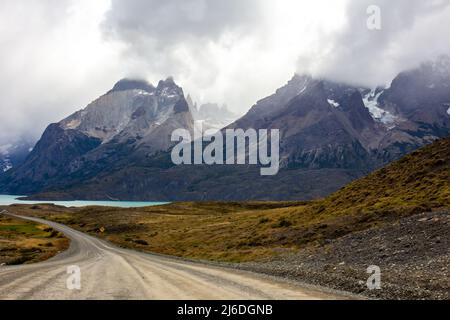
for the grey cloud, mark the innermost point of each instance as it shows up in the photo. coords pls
(23, 28)
(156, 32)
(224, 51)
(166, 23)
(44, 75)
(412, 31)
(181, 38)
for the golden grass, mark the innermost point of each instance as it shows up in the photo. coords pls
(238, 232)
(27, 242)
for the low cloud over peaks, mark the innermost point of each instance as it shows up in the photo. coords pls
(57, 56)
(412, 31)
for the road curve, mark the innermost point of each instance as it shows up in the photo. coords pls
(109, 272)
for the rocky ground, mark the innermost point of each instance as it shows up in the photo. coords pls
(413, 254)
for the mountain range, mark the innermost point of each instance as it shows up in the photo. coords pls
(15, 153)
(118, 147)
(210, 116)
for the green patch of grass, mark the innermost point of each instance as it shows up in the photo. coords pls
(21, 228)
(26, 242)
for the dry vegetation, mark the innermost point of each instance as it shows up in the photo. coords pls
(28, 242)
(239, 232)
(215, 231)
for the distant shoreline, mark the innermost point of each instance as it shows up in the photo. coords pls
(7, 200)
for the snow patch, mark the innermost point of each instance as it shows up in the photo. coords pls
(144, 93)
(303, 89)
(5, 165)
(333, 103)
(169, 93)
(371, 102)
(304, 86)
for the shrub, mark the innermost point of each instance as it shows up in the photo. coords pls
(264, 220)
(283, 223)
(141, 242)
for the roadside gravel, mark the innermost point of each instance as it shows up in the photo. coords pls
(413, 254)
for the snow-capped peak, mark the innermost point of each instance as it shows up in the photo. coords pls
(169, 89)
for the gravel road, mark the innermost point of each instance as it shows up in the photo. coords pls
(109, 272)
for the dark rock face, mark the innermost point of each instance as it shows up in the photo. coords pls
(422, 96)
(356, 112)
(165, 182)
(419, 100)
(325, 125)
(331, 133)
(422, 89)
(181, 106)
(14, 154)
(131, 122)
(51, 157)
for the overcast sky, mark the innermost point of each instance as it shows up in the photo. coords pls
(58, 55)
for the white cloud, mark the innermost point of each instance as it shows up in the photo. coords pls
(58, 55)
(232, 52)
(53, 61)
(412, 31)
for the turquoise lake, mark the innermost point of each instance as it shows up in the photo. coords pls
(6, 200)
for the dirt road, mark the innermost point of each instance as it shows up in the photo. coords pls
(109, 272)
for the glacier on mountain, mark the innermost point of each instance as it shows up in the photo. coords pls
(371, 102)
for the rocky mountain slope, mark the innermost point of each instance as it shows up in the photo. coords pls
(327, 124)
(415, 108)
(132, 121)
(13, 154)
(331, 133)
(322, 124)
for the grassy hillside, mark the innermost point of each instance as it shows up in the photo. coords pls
(251, 231)
(419, 181)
